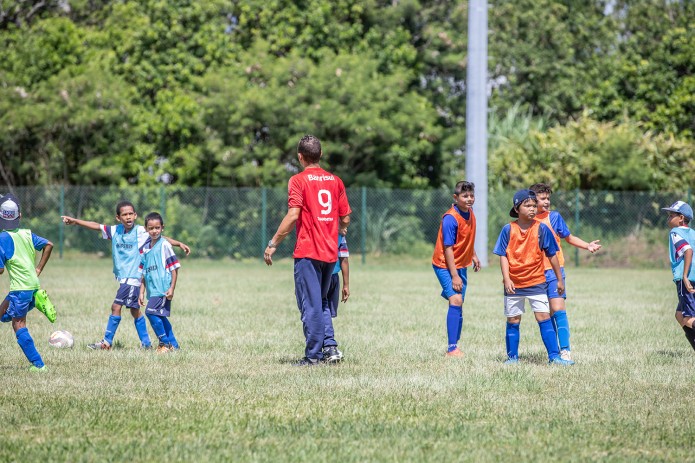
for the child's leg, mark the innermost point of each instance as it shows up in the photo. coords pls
(170, 332)
(141, 327)
(454, 321)
(687, 325)
(26, 343)
(329, 335)
(158, 328)
(512, 337)
(112, 324)
(541, 309)
(561, 324)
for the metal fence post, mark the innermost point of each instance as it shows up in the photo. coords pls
(264, 219)
(163, 202)
(61, 230)
(363, 226)
(576, 225)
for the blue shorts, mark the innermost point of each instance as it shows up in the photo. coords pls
(159, 305)
(444, 278)
(127, 295)
(686, 300)
(333, 296)
(21, 302)
(552, 284)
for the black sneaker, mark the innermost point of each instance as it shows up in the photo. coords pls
(305, 362)
(332, 355)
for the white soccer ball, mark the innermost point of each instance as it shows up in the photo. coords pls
(61, 339)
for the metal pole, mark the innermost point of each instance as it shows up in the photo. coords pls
(363, 226)
(476, 120)
(576, 224)
(163, 203)
(264, 219)
(61, 230)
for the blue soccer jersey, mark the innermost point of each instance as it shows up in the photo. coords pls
(681, 239)
(126, 249)
(156, 265)
(342, 252)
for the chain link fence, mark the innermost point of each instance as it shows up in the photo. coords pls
(238, 222)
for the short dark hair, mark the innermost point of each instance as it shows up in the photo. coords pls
(123, 204)
(310, 148)
(464, 186)
(154, 216)
(541, 188)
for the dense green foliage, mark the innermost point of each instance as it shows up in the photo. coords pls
(217, 93)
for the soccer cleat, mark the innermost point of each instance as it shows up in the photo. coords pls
(566, 354)
(164, 348)
(511, 361)
(560, 361)
(305, 362)
(44, 305)
(332, 355)
(101, 345)
(35, 368)
(454, 353)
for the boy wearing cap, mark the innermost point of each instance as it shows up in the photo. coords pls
(521, 246)
(453, 253)
(18, 248)
(558, 226)
(682, 239)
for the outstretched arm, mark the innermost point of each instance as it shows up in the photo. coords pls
(178, 244)
(45, 255)
(581, 244)
(67, 220)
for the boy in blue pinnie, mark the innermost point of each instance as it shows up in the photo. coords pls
(331, 354)
(680, 246)
(18, 248)
(159, 268)
(127, 242)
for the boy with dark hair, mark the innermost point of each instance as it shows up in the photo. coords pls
(159, 268)
(521, 246)
(554, 221)
(318, 205)
(453, 253)
(18, 248)
(127, 242)
(680, 247)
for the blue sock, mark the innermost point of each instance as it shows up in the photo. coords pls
(141, 327)
(549, 338)
(170, 332)
(158, 327)
(562, 328)
(454, 320)
(27, 344)
(512, 339)
(111, 328)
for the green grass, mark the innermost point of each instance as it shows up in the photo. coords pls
(230, 394)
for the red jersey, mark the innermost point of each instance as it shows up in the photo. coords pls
(322, 200)
(465, 239)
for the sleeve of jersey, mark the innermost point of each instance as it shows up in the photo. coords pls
(107, 231)
(39, 242)
(171, 262)
(547, 241)
(680, 245)
(559, 225)
(502, 242)
(343, 247)
(294, 190)
(450, 229)
(143, 238)
(6, 248)
(343, 204)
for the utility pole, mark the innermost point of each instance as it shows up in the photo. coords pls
(476, 120)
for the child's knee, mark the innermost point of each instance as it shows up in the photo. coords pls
(116, 310)
(514, 320)
(542, 316)
(456, 300)
(136, 313)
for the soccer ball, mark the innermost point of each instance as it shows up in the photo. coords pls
(61, 338)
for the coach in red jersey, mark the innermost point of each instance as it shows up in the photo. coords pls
(318, 205)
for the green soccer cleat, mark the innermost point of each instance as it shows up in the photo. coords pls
(44, 305)
(35, 368)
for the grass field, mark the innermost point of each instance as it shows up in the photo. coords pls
(231, 394)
